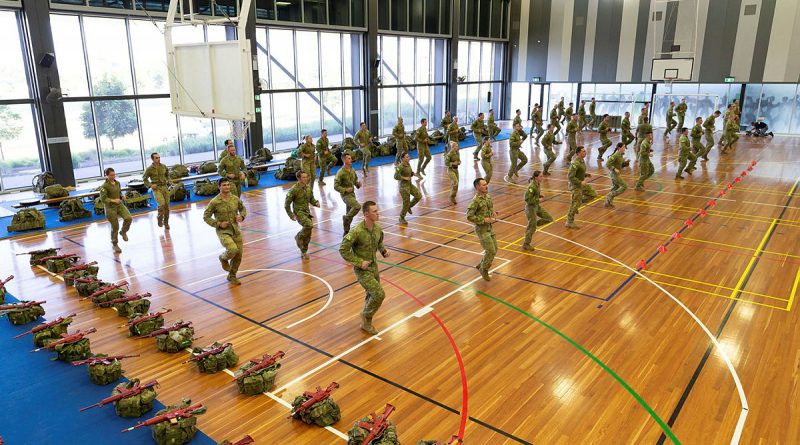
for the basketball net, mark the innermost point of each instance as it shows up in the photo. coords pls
(239, 129)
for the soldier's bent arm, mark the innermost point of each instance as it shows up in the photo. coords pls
(381, 249)
(346, 250)
(573, 179)
(208, 215)
(221, 169)
(242, 210)
(146, 176)
(337, 184)
(472, 214)
(313, 200)
(287, 204)
(104, 194)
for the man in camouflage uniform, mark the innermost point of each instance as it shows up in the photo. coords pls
(492, 130)
(604, 140)
(486, 158)
(554, 119)
(698, 149)
(452, 160)
(627, 135)
(582, 116)
(547, 143)
(725, 117)
(363, 139)
(536, 214)
(299, 197)
(403, 174)
(572, 141)
(224, 213)
(670, 119)
(709, 128)
(232, 167)
(581, 191)
(592, 114)
(478, 132)
(423, 147)
(345, 183)
(399, 133)
(111, 197)
(685, 155)
(325, 158)
(518, 158)
(642, 129)
(646, 168)
(358, 248)
(446, 120)
(569, 111)
(481, 213)
(681, 110)
(561, 114)
(308, 158)
(614, 166)
(731, 134)
(538, 123)
(452, 134)
(156, 177)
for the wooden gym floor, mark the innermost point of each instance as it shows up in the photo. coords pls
(564, 345)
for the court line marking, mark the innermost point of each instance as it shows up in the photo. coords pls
(794, 290)
(718, 213)
(756, 254)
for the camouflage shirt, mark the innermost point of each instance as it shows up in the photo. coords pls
(641, 119)
(603, 129)
(159, 174)
(561, 106)
(553, 114)
(644, 150)
(577, 172)
(515, 141)
(477, 126)
(643, 129)
(422, 138)
(306, 152)
(361, 243)
(684, 146)
(697, 131)
(222, 209)
(486, 152)
(109, 191)
(670, 111)
(345, 179)
(626, 125)
(446, 121)
(298, 199)
(532, 194)
(363, 138)
(592, 107)
(403, 171)
(547, 139)
(582, 110)
(614, 162)
(322, 146)
(569, 111)
(399, 131)
(452, 160)
(231, 164)
(709, 123)
(480, 208)
(572, 128)
(681, 109)
(517, 120)
(452, 131)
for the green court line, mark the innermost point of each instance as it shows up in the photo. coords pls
(586, 352)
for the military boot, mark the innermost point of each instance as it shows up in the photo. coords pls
(403, 221)
(160, 218)
(346, 223)
(571, 225)
(166, 224)
(233, 280)
(304, 255)
(117, 249)
(484, 273)
(366, 325)
(528, 247)
(223, 261)
(124, 236)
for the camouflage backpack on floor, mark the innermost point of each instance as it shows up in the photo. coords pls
(252, 177)
(132, 307)
(177, 340)
(356, 435)
(61, 264)
(51, 333)
(108, 296)
(69, 277)
(205, 187)
(176, 431)
(136, 200)
(25, 315)
(324, 413)
(289, 170)
(262, 156)
(462, 133)
(384, 149)
(259, 381)
(178, 192)
(70, 352)
(178, 171)
(37, 255)
(102, 374)
(207, 167)
(71, 209)
(437, 136)
(216, 362)
(88, 285)
(134, 406)
(42, 181)
(144, 324)
(55, 191)
(26, 219)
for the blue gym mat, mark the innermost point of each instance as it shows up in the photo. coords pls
(267, 180)
(42, 398)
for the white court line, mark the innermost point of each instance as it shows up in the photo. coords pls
(383, 331)
(439, 244)
(327, 303)
(742, 397)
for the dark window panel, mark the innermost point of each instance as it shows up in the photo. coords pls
(432, 16)
(484, 14)
(315, 11)
(69, 2)
(399, 15)
(497, 18)
(384, 11)
(289, 10)
(265, 9)
(122, 4)
(357, 13)
(444, 24)
(339, 12)
(417, 19)
(504, 20)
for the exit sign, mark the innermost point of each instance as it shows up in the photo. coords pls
(729, 79)
(537, 79)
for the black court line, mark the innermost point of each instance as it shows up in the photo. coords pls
(685, 396)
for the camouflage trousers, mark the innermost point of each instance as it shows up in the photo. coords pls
(605, 143)
(424, 157)
(113, 214)
(709, 143)
(572, 142)
(582, 122)
(551, 157)
(683, 160)
(488, 242)
(639, 139)
(680, 121)
(556, 126)
(407, 190)
(671, 124)
(236, 188)
(370, 280)
(402, 148)
(303, 237)
(518, 160)
(627, 137)
(310, 166)
(453, 174)
(730, 138)
(618, 186)
(161, 194)
(646, 170)
(234, 245)
(326, 163)
(698, 149)
(487, 169)
(592, 121)
(537, 216)
(539, 132)
(352, 207)
(579, 195)
(366, 154)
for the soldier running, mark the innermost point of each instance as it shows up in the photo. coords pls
(604, 140)
(709, 128)
(344, 183)
(486, 158)
(614, 165)
(478, 132)
(156, 177)
(452, 161)
(111, 197)
(403, 174)
(627, 135)
(423, 147)
(363, 139)
(518, 158)
(536, 214)
(232, 167)
(299, 197)
(325, 159)
(547, 143)
(581, 191)
(481, 213)
(646, 168)
(224, 213)
(308, 158)
(685, 155)
(399, 133)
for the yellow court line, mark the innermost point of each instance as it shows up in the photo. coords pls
(544, 226)
(605, 270)
(784, 254)
(754, 258)
(794, 290)
(794, 187)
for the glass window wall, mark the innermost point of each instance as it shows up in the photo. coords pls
(480, 72)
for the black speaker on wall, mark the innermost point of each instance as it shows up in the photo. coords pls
(489, 96)
(47, 60)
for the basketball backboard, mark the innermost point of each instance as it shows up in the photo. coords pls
(672, 69)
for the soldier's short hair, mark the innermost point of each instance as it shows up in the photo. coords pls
(580, 147)
(108, 170)
(620, 144)
(367, 205)
(153, 155)
(477, 181)
(422, 121)
(717, 112)
(362, 123)
(536, 174)
(324, 130)
(518, 111)
(228, 142)
(223, 180)
(347, 154)
(684, 129)
(300, 173)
